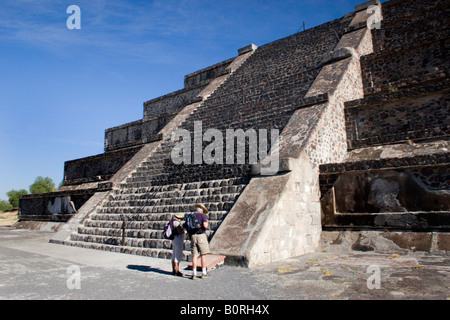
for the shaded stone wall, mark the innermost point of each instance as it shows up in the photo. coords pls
(96, 168)
(406, 23)
(374, 122)
(408, 66)
(53, 206)
(329, 172)
(405, 107)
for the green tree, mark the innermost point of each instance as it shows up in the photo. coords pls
(42, 185)
(5, 206)
(14, 196)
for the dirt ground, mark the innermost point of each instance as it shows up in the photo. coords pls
(8, 218)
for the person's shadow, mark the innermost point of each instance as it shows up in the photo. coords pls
(147, 269)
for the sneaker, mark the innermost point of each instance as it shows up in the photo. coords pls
(205, 276)
(194, 277)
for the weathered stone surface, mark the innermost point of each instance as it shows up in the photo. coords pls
(249, 48)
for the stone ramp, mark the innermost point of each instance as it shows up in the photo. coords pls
(212, 261)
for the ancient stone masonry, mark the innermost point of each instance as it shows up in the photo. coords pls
(396, 175)
(362, 117)
(418, 112)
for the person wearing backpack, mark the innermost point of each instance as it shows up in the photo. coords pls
(199, 241)
(177, 243)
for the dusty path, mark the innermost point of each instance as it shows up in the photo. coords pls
(8, 218)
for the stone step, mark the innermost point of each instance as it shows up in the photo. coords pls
(143, 193)
(91, 226)
(148, 234)
(212, 260)
(149, 252)
(207, 200)
(176, 197)
(143, 217)
(194, 185)
(116, 239)
(213, 206)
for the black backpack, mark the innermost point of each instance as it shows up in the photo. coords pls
(192, 223)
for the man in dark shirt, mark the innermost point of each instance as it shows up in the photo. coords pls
(199, 242)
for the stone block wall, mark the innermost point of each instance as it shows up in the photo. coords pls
(406, 23)
(262, 94)
(405, 67)
(96, 168)
(54, 206)
(416, 117)
(396, 175)
(204, 77)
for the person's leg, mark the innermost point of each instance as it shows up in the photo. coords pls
(174, 264)
(177, 254)
(203, 260)
(177, 269)
(194, 265)
(204, 250)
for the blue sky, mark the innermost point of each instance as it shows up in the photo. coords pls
(60, 89)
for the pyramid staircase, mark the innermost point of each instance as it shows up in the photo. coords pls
(135, 212)
(141, 198)
(263, 92)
